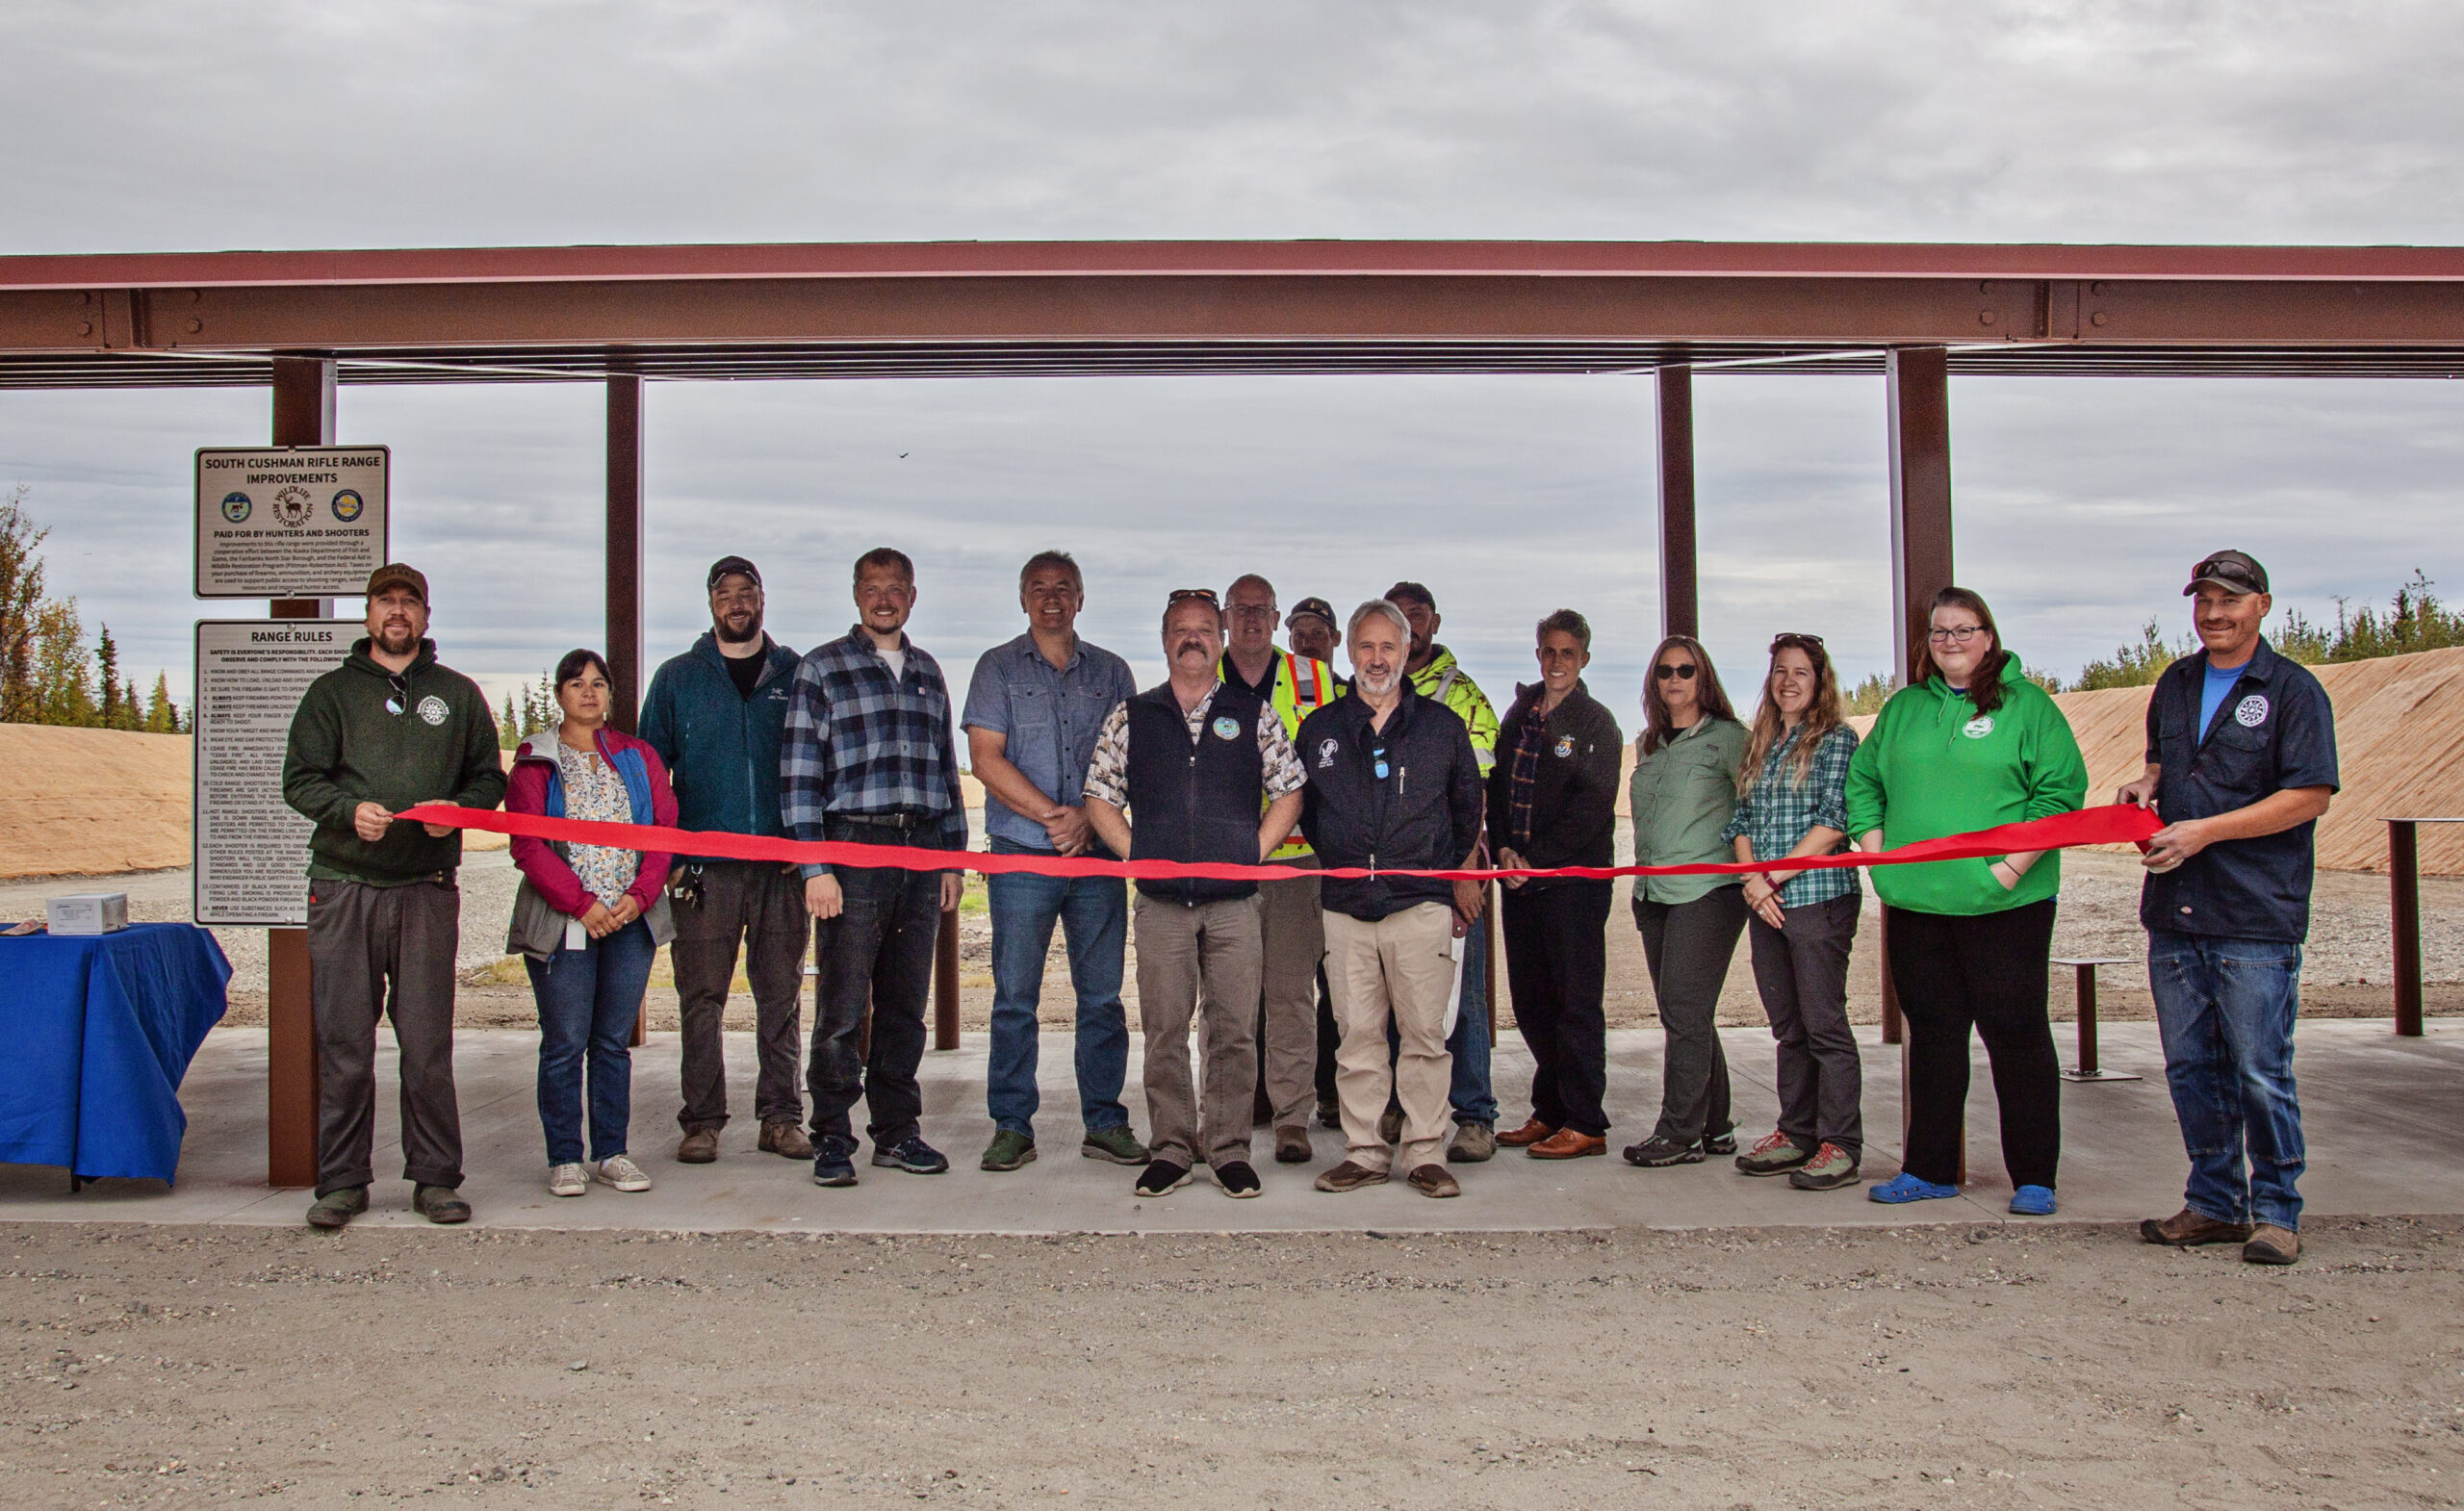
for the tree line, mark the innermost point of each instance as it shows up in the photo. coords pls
(48, 674)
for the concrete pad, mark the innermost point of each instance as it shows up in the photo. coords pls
(2383, 1141)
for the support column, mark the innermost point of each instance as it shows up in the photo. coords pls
(304, 414)
(1680, 603)
(625, 548)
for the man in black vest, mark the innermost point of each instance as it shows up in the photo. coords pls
(1194, 761)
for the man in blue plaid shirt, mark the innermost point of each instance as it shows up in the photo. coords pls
(870, 760)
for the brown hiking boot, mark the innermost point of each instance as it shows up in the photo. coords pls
(1433, 1180)
(1350, 1175)
(2187, 1229)
(701, 1146)
(780, 1136)
(2271, 1245)
(1567, 1144)
(1291, 1145)
(1532, 1132)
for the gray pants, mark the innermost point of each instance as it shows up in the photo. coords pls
(762, 904)
(1688, 947)
(1192, 962)
(1295, 943)
(360, 940)
(1802, 972)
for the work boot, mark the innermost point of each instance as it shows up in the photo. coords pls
(1291, 1145)
(1473, 1143)
(440, 1205)
(780, 1136)
(335, 1208)
(1009, 1150)
(699, 1146)
(2187, 1229)
(2271, 1245)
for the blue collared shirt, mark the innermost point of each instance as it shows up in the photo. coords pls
(2274, 730)
(1050, 719)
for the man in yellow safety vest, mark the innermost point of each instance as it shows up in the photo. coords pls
(1436, 673)
(1295, 939)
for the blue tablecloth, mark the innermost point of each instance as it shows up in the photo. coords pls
(95, 1033)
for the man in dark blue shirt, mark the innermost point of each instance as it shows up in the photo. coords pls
(2240, 764)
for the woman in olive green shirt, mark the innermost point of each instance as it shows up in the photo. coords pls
(1684, 789)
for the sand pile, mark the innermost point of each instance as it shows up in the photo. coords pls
(91, 801)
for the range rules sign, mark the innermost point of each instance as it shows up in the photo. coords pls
(251, 850)
(288, 522)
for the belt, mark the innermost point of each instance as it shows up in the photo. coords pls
(903, 823)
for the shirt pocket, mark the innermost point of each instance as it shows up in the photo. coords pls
(2235, 761)
(1032, 709)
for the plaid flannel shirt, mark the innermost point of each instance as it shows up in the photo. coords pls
(1777, 810)
(859, 742)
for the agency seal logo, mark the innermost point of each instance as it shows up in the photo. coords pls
(432, 710)
(1565, 746)
(2250, 712)
(1227, 727)
(293, 505)
(1326, 753)
(1978, 728)
(347, 505)
(235, 507)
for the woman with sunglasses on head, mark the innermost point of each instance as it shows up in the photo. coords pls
(1794, 805)
(1968, 744)
(1683, 791)
(587, 921)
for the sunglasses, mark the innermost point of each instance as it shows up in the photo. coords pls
(1184, 594)
(402, 698)
(1666, 671)
(1811, 645)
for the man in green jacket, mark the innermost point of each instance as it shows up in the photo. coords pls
(386, 729)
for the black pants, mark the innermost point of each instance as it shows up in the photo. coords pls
(1329, 1040)
(876, 951)
(363, 940)
(1688, 947)
(1556, 965)
(1987, 971)
(760, 906)
(1801, 972)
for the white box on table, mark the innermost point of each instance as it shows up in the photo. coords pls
(89, 912)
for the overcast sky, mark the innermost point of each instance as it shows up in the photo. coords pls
(2081, 502)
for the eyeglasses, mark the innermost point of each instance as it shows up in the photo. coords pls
(402, 698)
(1667, 669)
(1959, 635)
(1265, 611)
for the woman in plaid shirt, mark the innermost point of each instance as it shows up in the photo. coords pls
(1793, 802)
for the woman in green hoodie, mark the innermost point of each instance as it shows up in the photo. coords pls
(1970, 743)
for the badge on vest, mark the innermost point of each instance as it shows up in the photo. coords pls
(1978, 728)
(1565, 746)
(1227, 727)
(2250, 712)
(432, 710)
(1326, 754)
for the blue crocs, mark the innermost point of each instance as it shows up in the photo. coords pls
(1907, 1188)
(2033, 1201)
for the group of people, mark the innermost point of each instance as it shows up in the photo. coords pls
(1356, 998)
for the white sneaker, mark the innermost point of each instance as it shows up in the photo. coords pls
(621, 1173)
(567, 1180)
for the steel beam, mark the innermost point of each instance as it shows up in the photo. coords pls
(624, 548)
(1918, 381)
(1680, 602)
(2404, 896)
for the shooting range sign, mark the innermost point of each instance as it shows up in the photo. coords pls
(250, 850)
(289, 522)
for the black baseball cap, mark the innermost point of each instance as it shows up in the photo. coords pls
(2234, 571)
(1414, 593)
(731, 567)
(1312, 606)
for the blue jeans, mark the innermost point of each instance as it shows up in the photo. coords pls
(1469, 1094)
(2227, 1009)
(1094, 914)
(588, 999)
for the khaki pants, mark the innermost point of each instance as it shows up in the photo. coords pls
(1399, 968)
(1193, 961)
(1295, 942)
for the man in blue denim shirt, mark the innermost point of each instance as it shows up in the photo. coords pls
(2240, 764)
(1032, 712)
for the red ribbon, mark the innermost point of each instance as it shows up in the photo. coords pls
(2119, 824)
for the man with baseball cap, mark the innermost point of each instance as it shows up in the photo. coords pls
(2240, 765)
(1311, 631)
(717, 715)
(386, 729)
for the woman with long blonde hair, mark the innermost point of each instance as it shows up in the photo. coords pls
(1791, 806)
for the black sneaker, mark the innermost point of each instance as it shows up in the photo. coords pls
(913, 1155)
(1163, 1176)
(834, 1160)
(1720, 1143)
(1237, 1179)
(1656, 1152)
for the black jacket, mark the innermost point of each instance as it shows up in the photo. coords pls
(1195, 801)
(1426, 813)
(1573, 803)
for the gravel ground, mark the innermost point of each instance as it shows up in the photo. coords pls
(2002, 1365)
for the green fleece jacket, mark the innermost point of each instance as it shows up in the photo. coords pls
(348, 748)
(1932, 766)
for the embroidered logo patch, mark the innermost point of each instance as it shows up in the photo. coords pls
(1978, 728)
(1565, 746)
(1326, 753)
(2250, 712)
(1227, 727)
(432, 710)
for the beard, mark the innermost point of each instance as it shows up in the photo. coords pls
(1377, 687)
(751, 632)
(398, 639)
